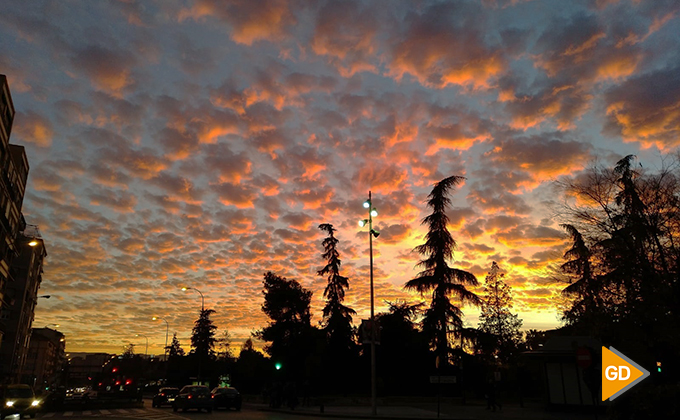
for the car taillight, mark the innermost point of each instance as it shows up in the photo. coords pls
(189, 397)
(212, 396)
(162, 395)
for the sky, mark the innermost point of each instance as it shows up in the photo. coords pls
(201, 143)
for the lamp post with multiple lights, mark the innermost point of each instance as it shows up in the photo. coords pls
(372, 212)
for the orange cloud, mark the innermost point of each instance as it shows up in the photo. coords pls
(382, 178)
(33, 128)
(107, 69)
(530, 236)
(618, 67)
(345, 33)
(251, 21)
(453, 137)
(119, 201)
(646, 109)
(314, 198)
(541, 158)
(237, 195)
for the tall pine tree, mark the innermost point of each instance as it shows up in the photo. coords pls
(337, 318)
(203, 336)
(443, 318)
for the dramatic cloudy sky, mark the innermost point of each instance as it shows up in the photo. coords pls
(201, 143)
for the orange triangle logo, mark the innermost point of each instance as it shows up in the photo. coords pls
(619, 373)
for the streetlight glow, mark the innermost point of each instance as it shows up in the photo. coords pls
(374, 212)
(33, 243)
(362, 223)
(146, 350)
(167, 330)
(367, 204)
(199, 292)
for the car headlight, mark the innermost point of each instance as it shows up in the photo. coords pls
(9, 403)
(35, 403)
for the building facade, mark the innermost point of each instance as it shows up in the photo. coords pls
(12, 184)
(21, 295)
(45, 360)
(22, 250)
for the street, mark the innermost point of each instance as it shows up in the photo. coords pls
(165, 413)
(256, 413)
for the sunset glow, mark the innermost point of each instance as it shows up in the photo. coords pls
(200, 144)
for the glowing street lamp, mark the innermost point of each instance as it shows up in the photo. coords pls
(146, 350)
(372, 212)
(199, 292)
(167, 330)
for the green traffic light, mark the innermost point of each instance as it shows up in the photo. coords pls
(278, 366)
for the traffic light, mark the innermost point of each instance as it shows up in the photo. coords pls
(277, 366)
(658, 367)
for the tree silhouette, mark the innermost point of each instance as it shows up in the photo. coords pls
(224, 344)
(203, 336)
(442, 318)
(624, 262)
(174, 349)
(496, 320)
(337, 318)
(404, 353)
(128, 351)
(289, 332)
(252, 371)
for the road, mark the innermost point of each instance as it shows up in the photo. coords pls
(165, 413)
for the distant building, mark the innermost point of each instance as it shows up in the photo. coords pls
(21, 297)
(46, 358)
(83, 367)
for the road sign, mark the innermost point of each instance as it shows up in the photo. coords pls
(365, 333)
(436, 379)
(583, 357)
(619, 373)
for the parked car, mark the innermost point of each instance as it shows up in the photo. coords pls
(226, 397)
(164, 396)
(18, 399)
(193, 396)
(83, 394)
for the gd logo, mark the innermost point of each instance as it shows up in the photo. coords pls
(619, 373)
(612, 374)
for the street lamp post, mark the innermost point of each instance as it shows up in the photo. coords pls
(146, 350)
(199, 292)
(372, 212)
(200, 356)
(167, 330)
